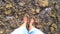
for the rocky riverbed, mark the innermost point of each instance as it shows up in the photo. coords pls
(45, 12)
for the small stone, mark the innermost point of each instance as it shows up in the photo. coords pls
(21, 3)
(8, 12)
(37, 10)
(53, 14)
(19, 13)
(55, 33)
(32, 9)
(57, 6)
(39, 26)
(9, 17)
(49, 32)
(59, 18)
(52, 29)
(16, 16)
(49, 23)
(37, 21)
(7, 30)
(1, 32)
(43, 3)
(1, 7)
(8, 5)
(54, 25)
(1, 16)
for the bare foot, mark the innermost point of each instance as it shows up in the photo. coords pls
(31, 23)
(25, 20)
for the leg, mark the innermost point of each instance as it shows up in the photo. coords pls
(22, 29)
(32, 29)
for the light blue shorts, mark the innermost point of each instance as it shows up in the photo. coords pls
(24, 30)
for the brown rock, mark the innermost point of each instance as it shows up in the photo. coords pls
(37, 10)
(57, 6)
(53, 14)
(1, 32)
(54, 25)
(8, 12)
(21, 3)
(1, 7)
(43, 3)
(8, 5)
(52, 29)
(59, 18)
(49, 33)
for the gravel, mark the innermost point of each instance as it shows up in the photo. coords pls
(45, 12)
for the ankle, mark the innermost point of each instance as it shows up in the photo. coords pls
(31, 27)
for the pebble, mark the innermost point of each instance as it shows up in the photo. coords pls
(21, 3)
(37, 10)
(1, 32)
(8, 5)
(7, 12)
